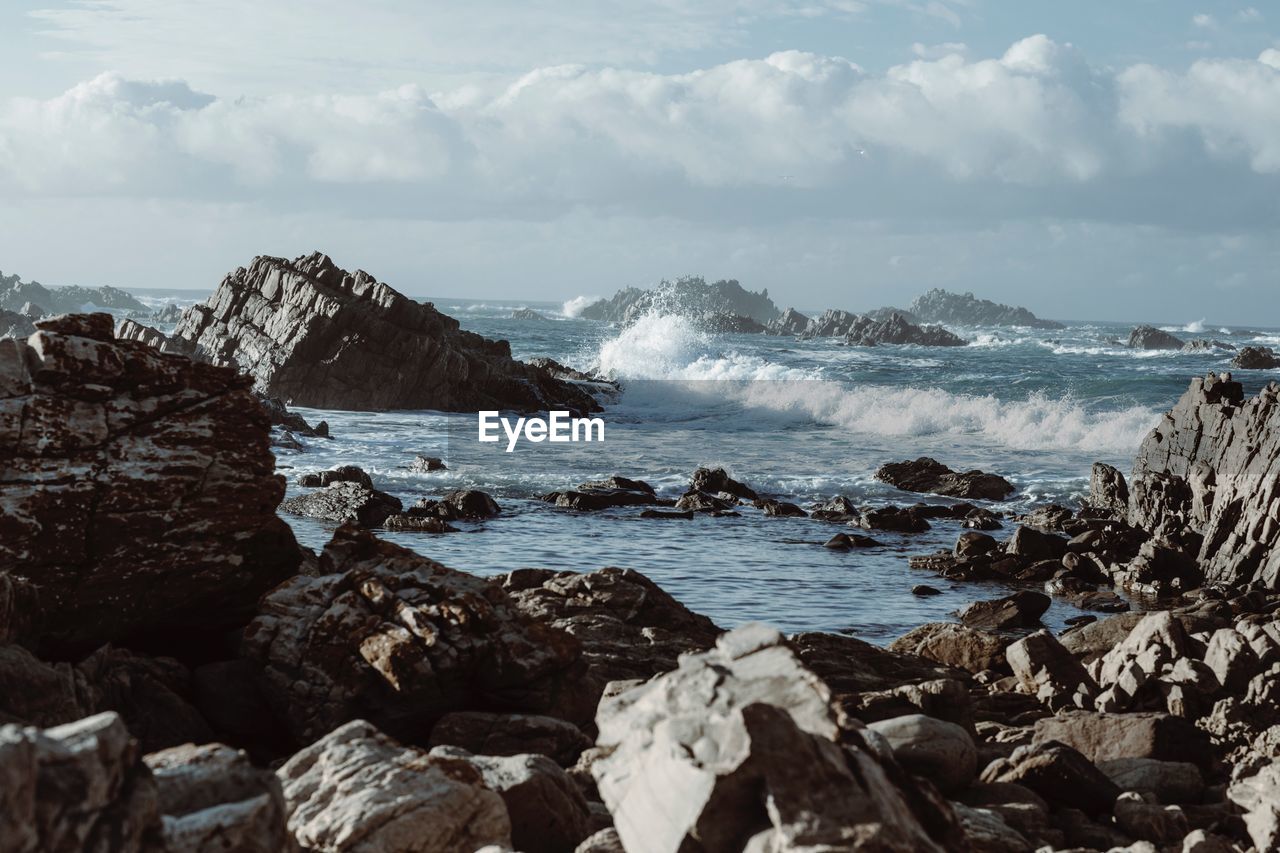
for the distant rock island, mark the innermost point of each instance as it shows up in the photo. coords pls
(27, 297)
(688, 296)
(965, 309)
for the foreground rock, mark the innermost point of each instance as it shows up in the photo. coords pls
(1151, 338)
(931, 476)
(394, 638)
(315, 335)
(740, 748)
(144, 501)
(356, 788)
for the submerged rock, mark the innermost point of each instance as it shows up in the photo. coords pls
(140, 490)
(1151, 338)
(316, 335)
(931, 476)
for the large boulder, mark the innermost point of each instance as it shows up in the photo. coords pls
(1046, 670)
(389, 636)
(1220, 453)
(1151, 338)
(1021, 609)
(344, 502)
(940, 751)
(955, 645)
(1108, 737)
(867, 331)
(740, 748)
(930, 475)
(1256, 358)
(1059, 774)
(357, 789)
(139, 488)
(319, 336)
(80, 786)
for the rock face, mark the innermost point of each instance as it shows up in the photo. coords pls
(140, 490)
(869, 332)
(1256, 358)
(690, 296)
(1212, 466)
(739, 748)
(316, 335)
(1149, 337)
(76, 787)
(792, 322)
(389, 636)
(931, 476)
(15, 294)
(965, 309)
(357, 789)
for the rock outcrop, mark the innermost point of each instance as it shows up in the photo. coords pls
(316, 335)
(1256, 358)
(869, 332)
(1151, 338)
(1212, 468)
(931, 476)
(690, 296)
(139, 488)
(965, 309)
(792, 322)
(16, 295)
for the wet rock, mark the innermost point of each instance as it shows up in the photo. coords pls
(765, 769)
(838, 508)
(929, 475)
(424, 464)
(1108, 490)
(291, 421)
(213, 798)
(526, 314)
(1048, 671)
(613, 492)
(667, 514)
(418, 524)
(355, 786)
(1035, 545)
(345, 502)
(140, 490)
(869, 332)
(847, 542)
(78, 786)
(1256, 358)
(314, 334)
(1059, 774)
(940, 751)
(547, 811)
(1151, 338)
(779, 509)
(341, 474)
(955, 645)
(925, 590)
(461, 505)
(694, 501)
(1022, 609)
(511, 734)
(892, 518)
(974, 544)
(716, 480)
(791, 322)
(392, 637)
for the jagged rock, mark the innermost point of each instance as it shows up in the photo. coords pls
(689, 296)
(792, 322)
(1108, 490)
(1224, 451)
(716, 480)
(78, 786)
(628, 626)
(511, 734)
(955, 645)
(1092, 641)
(15, 294)
(695, 501)
(929, 475)
(847, 542)
(867, 331)
(605, 494)
(41, 694)
(461, 505)
(170, 313)
(344, 502)
(1167, 781)
(154, 696)
(214, 799)
(356, 788)
(423, 464)
(964, 309)
(986, 830)
(940, 751)
(1048, 671)
(1060, 774)
(389, 636)
(1157, 640)
(318, 336)
(1256, 358)
(740, 748)
(292, 421)
(1149, 338)
(1107, 737)
(1021, 609)
(341, 474)
(1259, 797)
(1232, 659)
(973, 544)
(15, 325)
(140, 490)
(838, 508)
(547, 811)
(604, 841)
(526, 314)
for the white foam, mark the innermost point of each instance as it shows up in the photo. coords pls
(574, 306)
(1195, 327)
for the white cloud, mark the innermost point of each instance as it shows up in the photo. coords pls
(1249, 15)
(1204, 21)
(937, 51)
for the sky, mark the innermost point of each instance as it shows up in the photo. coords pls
(1090, 160)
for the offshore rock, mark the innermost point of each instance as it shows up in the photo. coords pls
(868, 332)
(315, 335)
(1256, 358)
(344, 502)
(689, 296)
(386, 635)
(140, 489)
(1149, 338)
(792, 322)
(16, 294)
(964, 309)
(740, 748)
(1213, 466)
(931, 476)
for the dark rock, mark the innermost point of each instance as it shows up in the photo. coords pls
(1256, 358)
(668, 514)
(716, 480)
(868, 332)
(15, 325)
(318, 336)
(389, 636)
(1206, 345)
(464, 504)
(36, 693)
(974, 544)
(845, 542)
(341, 474)
(423, 464)
(850, 666)
(1059, 774)
(892, 518)
(695, 501)
(1149, 337)
(511, 734)
(418, 523)
(168, 314)
(140, 490)
(16, 294)
(924, 590)
(1022, 609)
(779, 509)
(1108, 490)
(1035, 545)
(964, 309)
(292, 421)
(689, 296)
(838, 508)
(154, 696)
(613, 492)
(929, 475)
(791, 322)
(229, 695)
(345, 503)
(526, 314)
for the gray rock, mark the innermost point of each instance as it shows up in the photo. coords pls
(1021, 609)
(965, 309)
(344, 502)
(357, 789)
(791, 322)
(1259, 797)
(869, 332)
(424, 464)
(935, 749)
(1151, 338)
(1108, 490)
(15, 325)
(690, 296)
(1050, 673)
(986, 830)
(1168, 781)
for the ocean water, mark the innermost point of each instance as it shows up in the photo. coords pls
(802, 420)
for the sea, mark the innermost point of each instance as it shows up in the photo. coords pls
(800, 420)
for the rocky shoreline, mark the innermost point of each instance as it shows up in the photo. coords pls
(176, 673)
